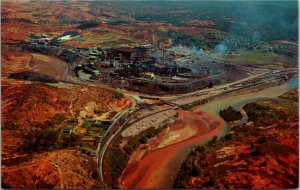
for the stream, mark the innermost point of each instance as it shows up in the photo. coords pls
(238, 101)
(158, 167)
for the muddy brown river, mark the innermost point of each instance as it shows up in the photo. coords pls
(157, 167)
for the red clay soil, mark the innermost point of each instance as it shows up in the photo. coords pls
(29, 105)
(74, 171)
(14, 61)
(263, 153)
(158, 167)
(48, 65)
(27, 108)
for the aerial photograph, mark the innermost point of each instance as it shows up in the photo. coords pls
(151, 94)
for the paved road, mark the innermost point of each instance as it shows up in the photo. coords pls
(101, 151)
(193, 96)
(267, 77)
(170, 97)
(228, 88)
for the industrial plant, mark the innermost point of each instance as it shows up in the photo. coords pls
(149, 94)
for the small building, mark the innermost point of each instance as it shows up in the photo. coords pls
(92, 65)
(91, 71)
(43, 39)
(111, 54)
(94, 52)
(88, 140)
(115, 64)
(143, 52)
(96, 72)
(68, 56)
(126, 53)
(149, 75)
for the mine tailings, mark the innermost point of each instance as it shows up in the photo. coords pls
(158, 167)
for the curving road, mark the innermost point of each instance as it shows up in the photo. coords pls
(218, 91)
(101, 150)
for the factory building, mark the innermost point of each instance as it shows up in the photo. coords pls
(128, 54)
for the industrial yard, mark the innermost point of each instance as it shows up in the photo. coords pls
(149, 95)
(148, 68)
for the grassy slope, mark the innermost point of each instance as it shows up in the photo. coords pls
(255, 57)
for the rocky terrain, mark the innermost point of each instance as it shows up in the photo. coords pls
(48, 137)
(34, 116)
(38, 170)
(263, 153)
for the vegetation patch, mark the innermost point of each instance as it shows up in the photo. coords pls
(248, 150)
(255, 57)
(50, 137)
(32, 76)
(71, 121)
(88, 24)
(263, 115)
(117, 95)
(191, 167)
(87, 124)
(134, 143)
(117, 161)
(184, 39)
(229, 114)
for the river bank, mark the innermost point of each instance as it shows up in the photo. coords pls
(157, 166)
(262, 153)
(237, 101)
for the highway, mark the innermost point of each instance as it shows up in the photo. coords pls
(212, 93)
(171, 98)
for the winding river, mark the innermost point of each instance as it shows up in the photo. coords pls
(238, 101)
(158, 168)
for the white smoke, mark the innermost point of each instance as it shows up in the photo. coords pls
(221, 49)
(193, 51)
